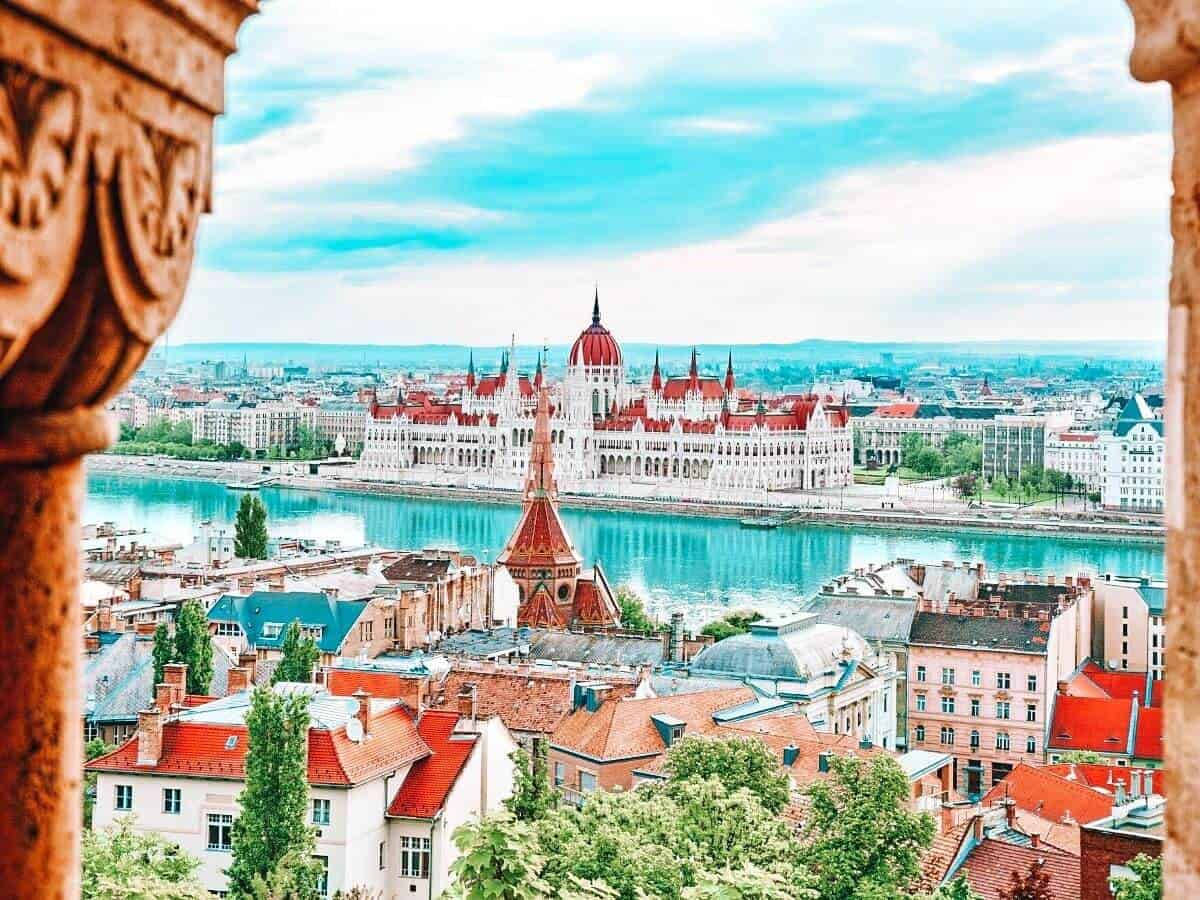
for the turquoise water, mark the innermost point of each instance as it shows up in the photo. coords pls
(702, 565)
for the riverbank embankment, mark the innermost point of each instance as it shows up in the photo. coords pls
(975, 520)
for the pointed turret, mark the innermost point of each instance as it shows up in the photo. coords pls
(729, 382)
(760, 412)
(596, 307)
(656, 378)
(537, 375)
(471, 370)
(694, 373)
(539, 480)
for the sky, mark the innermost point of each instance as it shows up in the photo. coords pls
(457, 172)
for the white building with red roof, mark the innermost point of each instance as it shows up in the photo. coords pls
(694, 436)
(387, 784)
(1079, 454)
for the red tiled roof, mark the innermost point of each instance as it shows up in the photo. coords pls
(622, 728)
(386, 685)
(1050, 795)
(677, 388)
(429, 781)
(1115, 684)
(1102, 778)
(990, 866)
(897, 411)
(1077, 437)
(540, 539)
(199, 750)
(1090, 723)
(524, 701)
(1148, 741)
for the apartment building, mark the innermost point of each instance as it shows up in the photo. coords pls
(879, 431)
(1079, 454)
(387, 786)
(1129, 624)
(983, 673)
(1133, 460)
(1013, 443)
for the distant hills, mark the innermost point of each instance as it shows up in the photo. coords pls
(674, 357)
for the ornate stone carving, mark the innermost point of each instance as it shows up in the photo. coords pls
(42, 204)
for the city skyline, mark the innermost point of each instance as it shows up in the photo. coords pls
(897, 177)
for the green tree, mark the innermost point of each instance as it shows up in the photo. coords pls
(274, 801)
(731, 624)
(736, 762)
(498, 860)
(860, 837)
(300, 655)
(1001, 486)
(966, 485)
(1147, 883)
(958, 889)
(633, 611)
(532, 796)
(193, 646)
(122, 863)
(747, 883)
(1033, 885)
(91, 750)
(1081, 756)
(297, 876)
(927, 461)
(250, 529)
(163, 652)
(180, 433)
(910, 446)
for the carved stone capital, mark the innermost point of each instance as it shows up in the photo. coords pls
(106, 115)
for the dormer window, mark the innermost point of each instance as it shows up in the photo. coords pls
(272, 630)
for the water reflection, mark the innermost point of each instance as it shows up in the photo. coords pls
(701, 564)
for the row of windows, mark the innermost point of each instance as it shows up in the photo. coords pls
(1003, 708)
(946, 737)
(1003, 679)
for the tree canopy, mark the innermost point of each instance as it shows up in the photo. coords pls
(193, 646)
(1034, 884)
(736, 762)
(272, 823)
(250, 529)
(731, 624)
(300, 655)
(633, 610)
(860, 838)
(122, 863)
(532, 796)
(1147, 883)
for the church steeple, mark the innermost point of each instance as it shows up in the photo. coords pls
(539, 480)
(729, 382)
(471, 370)
(596, 307)
(656, 378)
(694, 373)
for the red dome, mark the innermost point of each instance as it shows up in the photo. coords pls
(595, 346)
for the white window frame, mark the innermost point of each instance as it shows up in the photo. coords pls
(326, 811)
(223, 822)
(172, 794)
(123, 797)
(414, 857)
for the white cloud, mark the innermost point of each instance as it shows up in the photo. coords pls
(885, 253)
(730, 125)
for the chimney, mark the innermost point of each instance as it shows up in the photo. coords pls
(162, 697)
(364, 710)
(175, 674)
(790, 753)
(246, 584)
(362, 566)
(104, 614)
(467, 695)
(91, 643)
(150, 726)
(1035, 840)
(277, 582)
(248, 660)
(239, 680)
(1135, 784)
(1062, 688)
(977, 827)
(676, 652)
(1010, 811)
(330, 592)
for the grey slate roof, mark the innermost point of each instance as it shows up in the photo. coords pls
(875, 618)
(558, 646)
(117, 680)
(979, 632)
(334, 617)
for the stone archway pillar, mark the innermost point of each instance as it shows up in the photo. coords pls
(106, 112)
(1167, 48)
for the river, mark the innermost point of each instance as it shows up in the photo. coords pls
(702, 565)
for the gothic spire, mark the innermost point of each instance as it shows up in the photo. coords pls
(729, 382)
(596, 307)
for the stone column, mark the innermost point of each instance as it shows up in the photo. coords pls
(106, 111)
(1167, 48)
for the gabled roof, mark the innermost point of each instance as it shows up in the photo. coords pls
(875, 618)
(1050, 795)
(334, 617)
(1121, 684)
(218, 750)
(1148, 738)
(525, 701)
(1101, 724)
(623, 728)
(1103, 778)
(431, 779)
